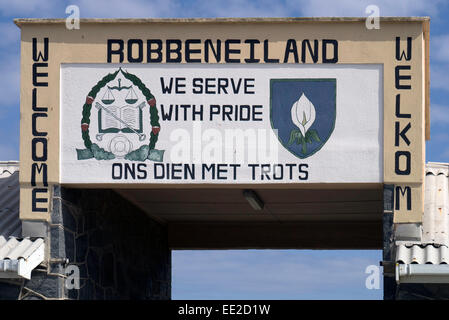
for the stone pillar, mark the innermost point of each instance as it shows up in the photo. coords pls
(388, 257)
(119, 251)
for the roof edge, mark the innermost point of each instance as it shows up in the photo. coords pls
(437, 168)
(23, 21)
(437, 164)
(8, 167)
(9, 163)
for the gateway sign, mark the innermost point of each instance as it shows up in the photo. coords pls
(220, 123)
(290, 102)
(227, 51)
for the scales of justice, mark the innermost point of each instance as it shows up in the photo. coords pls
(120, 114)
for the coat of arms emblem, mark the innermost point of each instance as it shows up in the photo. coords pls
(303, 111)
(117, 120)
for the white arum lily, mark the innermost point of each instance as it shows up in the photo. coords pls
(303, 114)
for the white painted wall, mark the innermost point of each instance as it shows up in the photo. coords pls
(352, 154)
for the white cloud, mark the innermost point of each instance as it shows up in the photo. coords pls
(32, 8)
(440, 137)
(439, 48)
(439, 114)
(9, 36)
(8, 152)
(357, 7)
(267, 274)
(128, 9)
(217, 8)
(439, 69)
(445, 155)
(10, 81)
(439, 76)
(240, 8)
(178, 8)
(244, 8)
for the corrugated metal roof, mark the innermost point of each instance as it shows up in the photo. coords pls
(422, 273)
(435, 226)
(434, 245)
(10, 224)
(18, 257)
(422, 254)
(14, 249)
(7, 168)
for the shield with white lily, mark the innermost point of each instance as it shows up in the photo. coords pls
(303, 113)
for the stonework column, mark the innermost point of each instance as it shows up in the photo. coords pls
(119, 251)
(388, 245)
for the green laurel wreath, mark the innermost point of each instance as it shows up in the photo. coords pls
(296, 135)
(146, 151)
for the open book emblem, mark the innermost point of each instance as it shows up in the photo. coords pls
(114, 118)
(121, 122)
(126, 119)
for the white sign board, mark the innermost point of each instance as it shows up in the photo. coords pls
(221, 124)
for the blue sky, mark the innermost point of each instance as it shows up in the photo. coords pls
(251, 274)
